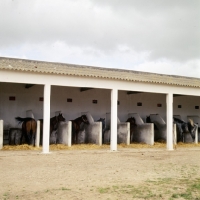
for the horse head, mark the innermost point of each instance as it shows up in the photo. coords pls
(131, 120)
(182, 126)
(85, 119)
(192, 127)
(148, 119)
(60, 118)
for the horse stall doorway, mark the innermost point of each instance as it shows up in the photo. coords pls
(139, 105)
(18, 100)
(76, 102)
(187, 108)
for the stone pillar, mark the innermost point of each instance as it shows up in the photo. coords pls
(46, 118)
(100, 134)
(1, 134)
(113, 120)
(37, 142)
(69, 134)
(128, 134)
(174, 134)
(169, 100)
(196, 136)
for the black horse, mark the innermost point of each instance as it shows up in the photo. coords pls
(54, 122)
(182, 127)
(148, 120)
(29, 127)
(76, 123)
(133, 124)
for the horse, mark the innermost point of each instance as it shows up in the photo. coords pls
(54, 122)
(29, 126)
(148, 120)
(103, 127)
(76, 127)
(182, 127)
(133, 124)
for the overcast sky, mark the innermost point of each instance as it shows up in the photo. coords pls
(160, 36)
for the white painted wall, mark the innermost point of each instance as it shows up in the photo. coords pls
(188, 104)
(28, 99)
(78, 81)
(128, 104)
(81, 102)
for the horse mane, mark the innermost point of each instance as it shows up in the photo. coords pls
(178, 120)
(132, 121)
(20, 119)
(52, 118)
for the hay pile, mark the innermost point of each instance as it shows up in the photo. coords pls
(187, 145)
(78, 147)
(55, 147)
(142, 145)
(21, 147)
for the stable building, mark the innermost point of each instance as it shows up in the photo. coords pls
(46, 88)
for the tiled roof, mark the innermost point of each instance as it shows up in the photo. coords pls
(88, 71)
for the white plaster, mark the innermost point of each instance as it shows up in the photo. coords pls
(128, 136)
(46, 121)
(74, 81)
(37, 141)
(29, 113)
(169, 99)
(174, 134)
(1, 134)
(113, 139)
(27, 99)
(69, 135)
(196, 136)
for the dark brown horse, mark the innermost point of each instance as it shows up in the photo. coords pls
(76, 123)
(29, 126)
(54, 122)
(132, 122)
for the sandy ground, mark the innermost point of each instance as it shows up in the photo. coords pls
(100, 174)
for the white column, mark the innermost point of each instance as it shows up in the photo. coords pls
(69, 134)
(1, 134)
(46, 118)
(169, 99)
(113, 120)
(100, 134)
(129, 134)
(174, 135)
(196, 136)
(37, 142)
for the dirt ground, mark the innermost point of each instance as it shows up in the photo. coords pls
(128, 173)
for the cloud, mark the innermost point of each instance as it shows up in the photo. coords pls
(131, 34)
